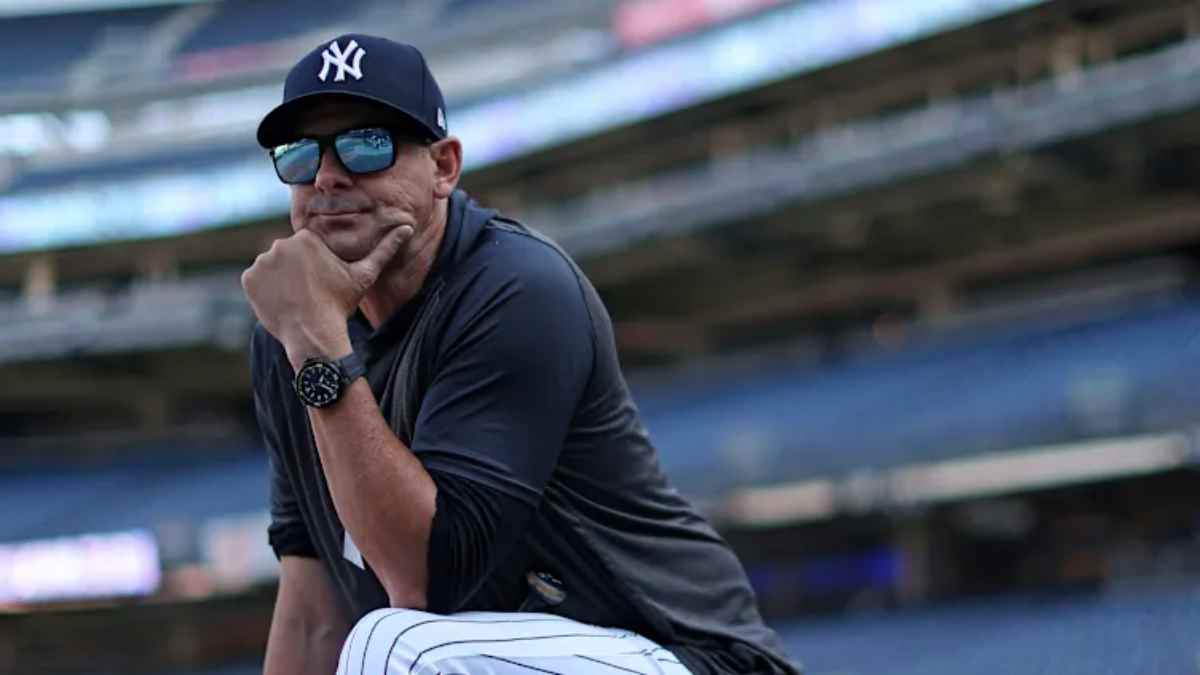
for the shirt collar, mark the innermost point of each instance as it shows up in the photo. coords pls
(464, 221)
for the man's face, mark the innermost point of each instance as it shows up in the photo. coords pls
(351, 213)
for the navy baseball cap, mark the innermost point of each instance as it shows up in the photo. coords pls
(365, 67)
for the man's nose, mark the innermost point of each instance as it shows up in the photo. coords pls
(330, 173)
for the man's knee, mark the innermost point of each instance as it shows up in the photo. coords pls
(377, 639)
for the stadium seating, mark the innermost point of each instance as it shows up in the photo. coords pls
(230, 34)
(887, 409)
(130, 496)
(1027, 135)
(789, 422)
(139, 166)
(207, 309)
(250, 21)
(41, 65)
(1152, 631)
(699, 195)
(188, 493)
(38, 505)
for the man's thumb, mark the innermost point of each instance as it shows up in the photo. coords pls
(368, 269)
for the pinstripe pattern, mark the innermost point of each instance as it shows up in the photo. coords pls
(522, 666)
(610, 665)
(535, 638)
(426, 622)
(409, 642)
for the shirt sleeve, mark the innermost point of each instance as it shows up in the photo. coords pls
(287, 532)
(514, 361)
(463, 545)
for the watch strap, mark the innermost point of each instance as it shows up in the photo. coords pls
(351, 367)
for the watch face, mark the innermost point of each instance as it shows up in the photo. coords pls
(318, 384)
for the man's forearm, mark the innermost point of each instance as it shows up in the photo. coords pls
(296, 648)
(308, 626)
(382, 493)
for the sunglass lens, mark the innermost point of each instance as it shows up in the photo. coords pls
(297, 162)
(365, 150)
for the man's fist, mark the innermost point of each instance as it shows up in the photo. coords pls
(303, 293)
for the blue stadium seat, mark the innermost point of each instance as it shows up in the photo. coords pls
(38, 504)
(1147, 632)
(1127, 375)
(34, 64)
(183, 492)
(247, 22)
(168, 161)
(453, 8)
(48, 503)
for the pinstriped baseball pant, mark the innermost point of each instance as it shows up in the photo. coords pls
(409, 642)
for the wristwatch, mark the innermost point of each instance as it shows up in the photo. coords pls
(320, 382)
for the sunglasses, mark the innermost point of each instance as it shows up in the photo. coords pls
(361, 151)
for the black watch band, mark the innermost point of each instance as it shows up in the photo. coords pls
(320, 382)
(352, 368)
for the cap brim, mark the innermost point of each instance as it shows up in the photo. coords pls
(279, 125)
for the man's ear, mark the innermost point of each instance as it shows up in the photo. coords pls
(447, 161)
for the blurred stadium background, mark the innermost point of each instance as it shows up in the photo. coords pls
(908, 292)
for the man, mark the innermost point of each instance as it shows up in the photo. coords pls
(460, 482)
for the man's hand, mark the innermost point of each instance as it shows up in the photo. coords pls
(303, 293)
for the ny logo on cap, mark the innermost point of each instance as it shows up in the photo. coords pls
(334, 56)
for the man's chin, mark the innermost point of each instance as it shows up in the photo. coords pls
(350, 246)
(348, 249)
(350, 255)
